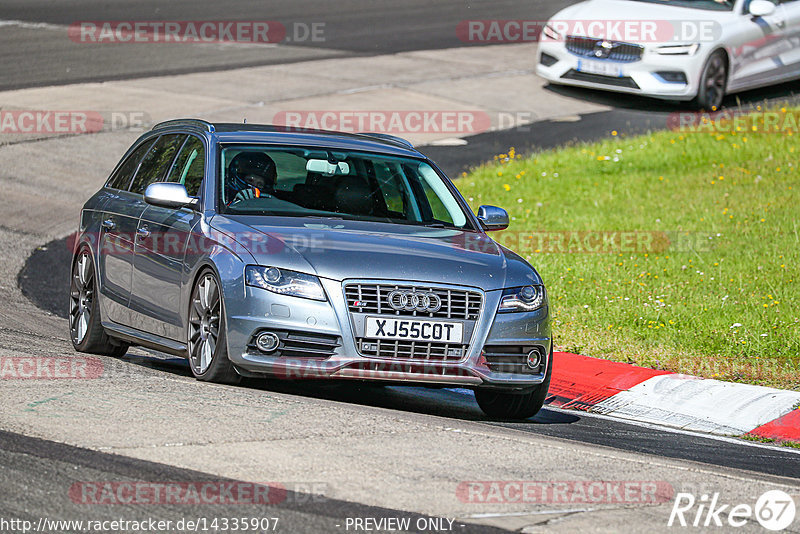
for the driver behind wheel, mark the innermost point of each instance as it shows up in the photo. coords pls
(251, 175)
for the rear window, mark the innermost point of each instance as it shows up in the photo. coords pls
(121, 179)
(157, 162)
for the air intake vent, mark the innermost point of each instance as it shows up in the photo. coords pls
(295, 344)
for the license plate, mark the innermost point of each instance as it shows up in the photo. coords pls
(414, 330)
(599, 67)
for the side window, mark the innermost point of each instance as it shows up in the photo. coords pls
(122, 178)
(189, 167)
(157, 161)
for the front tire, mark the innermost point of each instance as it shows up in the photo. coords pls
(85, 326)
(515, 406)
(713, 83)
(208, 348)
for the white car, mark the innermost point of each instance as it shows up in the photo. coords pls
(684, 50)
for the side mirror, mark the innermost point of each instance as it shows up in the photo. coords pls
(169, 195)
(493, 218)
(761, 8)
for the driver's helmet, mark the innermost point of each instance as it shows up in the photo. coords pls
(248, 170)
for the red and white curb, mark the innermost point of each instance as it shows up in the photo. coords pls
(680, 401)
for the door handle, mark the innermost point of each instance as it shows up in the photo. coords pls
(143, 232)
(109, 224)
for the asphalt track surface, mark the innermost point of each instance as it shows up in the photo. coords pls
(37, 53)
(50, 470)
(31, 56)
(44, 281)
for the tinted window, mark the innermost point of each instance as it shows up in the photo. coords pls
(122, 178)
(157, 162)
(189, 167)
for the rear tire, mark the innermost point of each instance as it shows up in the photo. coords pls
(207, 342)
(85, 325)
(515, 406)
(713, 83)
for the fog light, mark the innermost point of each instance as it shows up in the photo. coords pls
(534, 359)
(672, 76)
(547, 60)
(267, 342)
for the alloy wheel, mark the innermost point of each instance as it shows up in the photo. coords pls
(716, 75)
(81, 296)
(204, 323)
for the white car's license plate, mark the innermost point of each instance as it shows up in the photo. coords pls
(414, 330)
(599, 67)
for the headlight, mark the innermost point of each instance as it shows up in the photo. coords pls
(284, 282)
(678, 50)
(522, 299)
(551, 33)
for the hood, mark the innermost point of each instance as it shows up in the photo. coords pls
(673, 23)
(340, 250)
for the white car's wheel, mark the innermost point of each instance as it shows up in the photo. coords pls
(713, 83)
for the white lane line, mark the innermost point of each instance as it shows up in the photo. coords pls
(662, 428)
(523, 514)
(33, 25)
(26, 25)
(703, 405)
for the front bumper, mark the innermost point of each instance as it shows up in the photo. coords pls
(638, 77)
(331, 330)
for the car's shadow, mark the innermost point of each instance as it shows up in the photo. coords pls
(774, 95)
(443, 402)
(452, 403)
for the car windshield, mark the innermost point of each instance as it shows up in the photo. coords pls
(710, 5)
(312, 182)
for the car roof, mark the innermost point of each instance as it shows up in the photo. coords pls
(225, 132)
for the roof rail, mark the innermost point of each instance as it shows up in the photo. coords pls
(194, 123)
(387, 137)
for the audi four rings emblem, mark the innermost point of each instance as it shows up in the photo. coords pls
(404, 300)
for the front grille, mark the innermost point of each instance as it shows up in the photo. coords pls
(617, 51)
(410, 369)
(512, 359)
(412, 350)
(624, 81)
(373, 298)
(299, 344)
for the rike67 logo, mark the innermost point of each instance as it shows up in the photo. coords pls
(774, 510)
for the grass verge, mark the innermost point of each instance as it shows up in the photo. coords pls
(675, 250)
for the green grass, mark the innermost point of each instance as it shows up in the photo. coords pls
(712, 288)
(758, 439)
